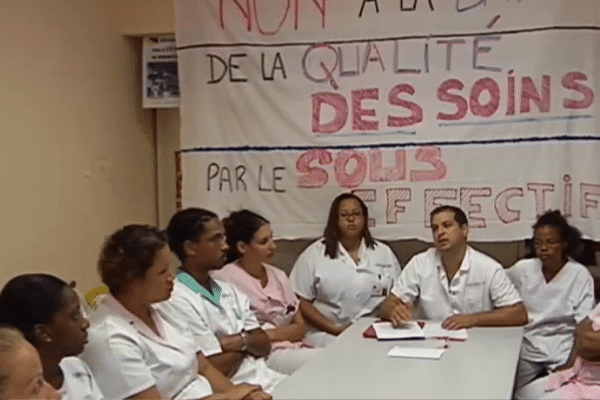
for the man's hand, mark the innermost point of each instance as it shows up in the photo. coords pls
(395, 311)
(340, 328)
(459, 321)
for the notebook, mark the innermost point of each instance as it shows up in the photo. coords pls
(408, 330)
(417, 330)
(435, 330)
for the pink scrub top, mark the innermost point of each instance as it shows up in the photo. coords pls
(274, 305)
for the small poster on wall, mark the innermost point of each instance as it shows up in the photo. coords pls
(160, 82)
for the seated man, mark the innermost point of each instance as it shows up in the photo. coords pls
(453, 282)
(225, 328)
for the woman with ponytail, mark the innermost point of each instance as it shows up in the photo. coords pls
(272, 299)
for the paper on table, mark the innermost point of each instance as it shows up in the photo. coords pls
(414, 352)
(408, 330)
(435, 330)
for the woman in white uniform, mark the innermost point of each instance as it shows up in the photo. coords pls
(21, 374)
(558, 293)
(272, 299)
(344, 275)
(48, 313)
(134, 350)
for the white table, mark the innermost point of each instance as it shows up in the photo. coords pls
(483, 367)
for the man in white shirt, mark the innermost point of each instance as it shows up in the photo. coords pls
(453, 282)
(219, 314)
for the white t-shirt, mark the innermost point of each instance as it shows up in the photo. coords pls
(480, 285)
(79, 383)
(127, 357)
(226, 313)
(343, 290)
(554, 308)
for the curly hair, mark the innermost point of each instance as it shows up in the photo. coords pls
(128, 254)
(568, 234)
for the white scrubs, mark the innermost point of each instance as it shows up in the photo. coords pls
(341, 289)
(79, 383)
(480, 285)
(127, 357)
(226, 313)
(554, 308)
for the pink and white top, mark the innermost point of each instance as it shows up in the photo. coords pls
(582, 380)
(274, 305)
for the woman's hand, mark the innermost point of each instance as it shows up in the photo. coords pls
(589, 345)
(258, 395)
(243, 392)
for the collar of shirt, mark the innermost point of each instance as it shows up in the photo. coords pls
(273, 291)
(464, 267)
(214, 299)
(272, 281)
(196, 287)
(114, 305)
(346, 258)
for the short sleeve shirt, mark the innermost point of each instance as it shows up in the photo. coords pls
(480, 285)
(341, 289)
(127, 357)
(554, 308)
(79, 383)
(223, 311)
(273, 305)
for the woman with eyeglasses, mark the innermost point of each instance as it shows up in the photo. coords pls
(48, 313)
(344, 275)
(558, 293)
(272, 299)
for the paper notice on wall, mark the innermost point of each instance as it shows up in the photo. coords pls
(160, 81)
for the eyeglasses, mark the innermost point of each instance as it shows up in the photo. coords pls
(550, 243)
(355, 215)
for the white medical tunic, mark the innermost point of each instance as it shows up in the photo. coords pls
(227, 312)
(79, 383)
(480, 285)
(554, 308)
(341, 289)
(127, 357)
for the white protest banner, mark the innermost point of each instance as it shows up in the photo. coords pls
(488, 105)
